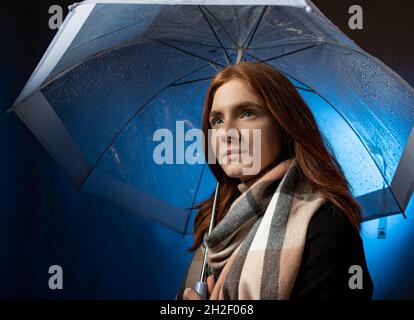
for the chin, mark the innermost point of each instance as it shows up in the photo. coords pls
(234, 171)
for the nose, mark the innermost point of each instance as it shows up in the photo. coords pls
(228, 133)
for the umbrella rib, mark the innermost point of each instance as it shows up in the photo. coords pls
(304, 89)
(175, 83)
(288, 42)
(189, 81)
(196, 80)
(219, 23)
(104, 35)
(254, 29)
(213, 66)
(291, 52)
(108, 50)
(348, 123)
(236, 19)
(215, 35)
(193, 42)
(189, 53)
(286, 74)
(126, 124)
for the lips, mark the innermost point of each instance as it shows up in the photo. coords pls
(232, 151)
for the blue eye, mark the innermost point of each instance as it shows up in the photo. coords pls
(214, 121)
(247, 113)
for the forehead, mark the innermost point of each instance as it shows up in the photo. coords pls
(232, 93)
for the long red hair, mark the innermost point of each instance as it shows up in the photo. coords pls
(301, 139)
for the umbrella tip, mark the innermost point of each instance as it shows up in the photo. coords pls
(73, 6)
(240, 54)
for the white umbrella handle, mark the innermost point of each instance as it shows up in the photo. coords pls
(201, 286)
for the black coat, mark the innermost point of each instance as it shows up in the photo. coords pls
(332, 246)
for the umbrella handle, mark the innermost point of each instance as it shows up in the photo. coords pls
(201, 288)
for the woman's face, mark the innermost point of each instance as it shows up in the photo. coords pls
(236, 107)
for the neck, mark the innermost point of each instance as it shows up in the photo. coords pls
(246, 184)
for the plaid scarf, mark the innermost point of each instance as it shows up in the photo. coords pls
(255, 251)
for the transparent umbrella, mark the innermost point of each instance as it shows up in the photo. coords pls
(117, 71)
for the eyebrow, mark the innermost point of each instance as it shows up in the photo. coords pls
(237, 106)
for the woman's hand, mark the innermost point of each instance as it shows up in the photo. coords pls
(191, 294)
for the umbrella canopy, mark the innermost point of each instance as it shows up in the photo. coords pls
(117, 71)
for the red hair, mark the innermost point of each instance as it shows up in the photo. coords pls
(301, 139)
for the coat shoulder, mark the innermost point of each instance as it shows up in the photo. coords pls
(329, 219)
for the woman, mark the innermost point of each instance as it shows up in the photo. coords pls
(289, 231)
